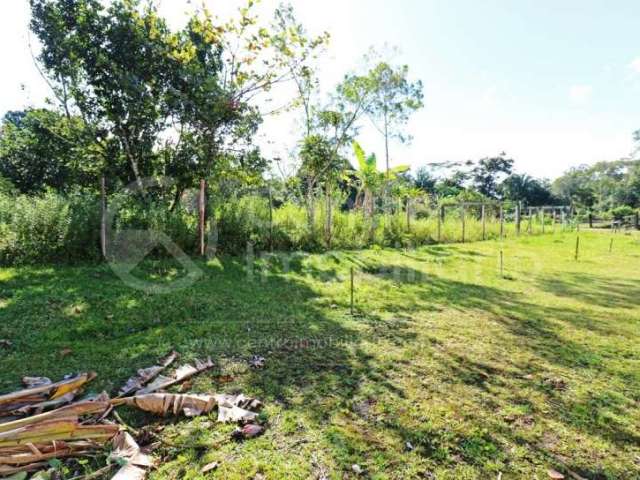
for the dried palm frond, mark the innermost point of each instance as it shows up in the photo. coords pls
(42, 395)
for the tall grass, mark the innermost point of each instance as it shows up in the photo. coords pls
(54, 228)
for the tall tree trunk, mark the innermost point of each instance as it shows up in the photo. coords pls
(311, 212)
(408, 215)
(386, 141)
(328, 219)
(132, 160)
(176, 198)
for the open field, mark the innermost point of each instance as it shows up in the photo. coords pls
(446, 371)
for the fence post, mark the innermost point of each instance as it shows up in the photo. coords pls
(542, 218)
(464, 214)
(201, 222)
(103, 220)
(518, 218)
(530, 225)
(440, 215)
(329, 218)
(484, 223)
(501, 222)
(590, 220)
(637, 220)
(270, 220)
(351, 304)
(409, 215)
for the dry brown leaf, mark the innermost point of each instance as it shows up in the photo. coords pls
(145, 375)
(126, 448)
(73, 411)
(32, 453)
(6, 470)
(15, 401)
(239, 400)
(231, 408)
(209, 467)
(130, 472)
(38, 408)
(237, 408)
(235, 414)
(65, 352)
(555, 475)
(64, 429)
(32, 382)
(181, 374)
(164, 403)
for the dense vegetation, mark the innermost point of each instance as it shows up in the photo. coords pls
(189, 108)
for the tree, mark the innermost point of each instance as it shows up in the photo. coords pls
(486, 174)
(394, 99)
(6, 187)
(369, 179)
(181, 102)
(320, 164)
(575, 187)
(425, 180)
(523, 188)
(42, 149)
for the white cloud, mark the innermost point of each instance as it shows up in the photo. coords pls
(635, 65)
(580, 94)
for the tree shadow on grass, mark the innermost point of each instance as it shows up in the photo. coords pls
(541, 328)
(593, 289)
(317, 360)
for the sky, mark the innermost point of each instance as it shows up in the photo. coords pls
(554, 84)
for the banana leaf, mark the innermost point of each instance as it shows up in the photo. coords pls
(39, 397)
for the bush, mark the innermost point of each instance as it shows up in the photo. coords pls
(619, 213)
(56, 228)
(48, 228)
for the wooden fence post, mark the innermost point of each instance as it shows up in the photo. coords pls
(501, 222)
(541, 210)
(351, 303)
(530, 225)
(484, 223)
(590, 220)
(201, 222)
(637, 220)
(518, 207)
(270, 220)
(440, 215)
(103, 220)
(464, 214)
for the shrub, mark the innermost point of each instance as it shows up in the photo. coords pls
(619, 213)
(48, 228)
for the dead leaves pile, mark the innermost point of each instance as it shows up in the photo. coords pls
(44, 421)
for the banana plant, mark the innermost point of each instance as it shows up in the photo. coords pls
(369, 180)
(409, 195)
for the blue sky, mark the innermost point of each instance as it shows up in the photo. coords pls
(552, 83)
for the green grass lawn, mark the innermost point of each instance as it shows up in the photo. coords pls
(446, 371)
